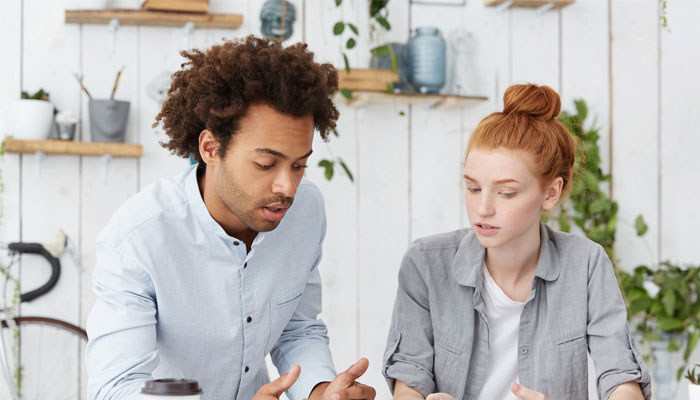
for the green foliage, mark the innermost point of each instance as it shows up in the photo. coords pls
(693, 376)
(39, 95)
(663, 14)
(664, 299)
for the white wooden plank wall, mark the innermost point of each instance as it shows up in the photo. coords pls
(407, 167)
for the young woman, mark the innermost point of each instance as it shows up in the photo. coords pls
(510, 308)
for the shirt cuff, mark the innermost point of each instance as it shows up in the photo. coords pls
(308, 379)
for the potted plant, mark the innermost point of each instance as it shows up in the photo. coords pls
(30, 118)
(663, 301)
(693, 383)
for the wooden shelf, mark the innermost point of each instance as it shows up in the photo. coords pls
(436, 101)
(531, 3)
(154, 18)
(73, 148)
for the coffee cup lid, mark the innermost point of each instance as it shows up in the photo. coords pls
(177, 387)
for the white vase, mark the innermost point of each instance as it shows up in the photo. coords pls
(29, 119)
(693, 391)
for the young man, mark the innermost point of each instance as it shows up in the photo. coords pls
(203, 275)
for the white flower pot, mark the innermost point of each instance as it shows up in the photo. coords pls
(693, 391)
(29, 119)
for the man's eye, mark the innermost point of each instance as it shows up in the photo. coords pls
(474, 190)
(262, 166)
(300, 167)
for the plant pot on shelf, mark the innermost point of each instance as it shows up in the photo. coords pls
(29, 119)
(108, 119)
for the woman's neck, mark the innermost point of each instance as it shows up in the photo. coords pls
(513, 266)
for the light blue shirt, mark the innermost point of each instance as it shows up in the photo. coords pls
(177, 297)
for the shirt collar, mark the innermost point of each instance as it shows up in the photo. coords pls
(201, 212)
(466, 266)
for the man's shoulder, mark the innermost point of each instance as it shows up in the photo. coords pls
(152, 202)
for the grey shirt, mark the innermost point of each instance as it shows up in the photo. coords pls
(438, 340)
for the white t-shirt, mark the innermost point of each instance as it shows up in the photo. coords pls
(504, 322)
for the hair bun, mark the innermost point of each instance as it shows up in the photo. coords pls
(537, 101)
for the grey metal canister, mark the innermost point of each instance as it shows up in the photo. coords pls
(108, 119)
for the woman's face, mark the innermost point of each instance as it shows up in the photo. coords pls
(504, 197)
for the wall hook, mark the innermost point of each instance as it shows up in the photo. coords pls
(501, 8)
(39, 158)
(113, 28)
(105, 160)
(541, 10)
(187, 31)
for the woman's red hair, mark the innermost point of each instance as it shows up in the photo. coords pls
(529, 123)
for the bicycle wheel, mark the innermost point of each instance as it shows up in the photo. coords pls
(50, 358)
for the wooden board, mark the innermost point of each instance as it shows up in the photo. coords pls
(75, 148)
(367, 79)
(194, 6)
(154, 18)
(364, 97)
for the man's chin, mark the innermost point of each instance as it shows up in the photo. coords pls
(264, 226)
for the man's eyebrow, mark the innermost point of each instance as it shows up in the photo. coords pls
(277, 154)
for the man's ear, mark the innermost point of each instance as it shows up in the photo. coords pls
(553, 193)
(208, 147)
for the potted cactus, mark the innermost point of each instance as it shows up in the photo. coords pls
(693, 378)
(31, 117)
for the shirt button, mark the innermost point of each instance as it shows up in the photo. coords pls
(249, 319)
(245, 265)
(246, 369)
(523, 350)
(235, 243)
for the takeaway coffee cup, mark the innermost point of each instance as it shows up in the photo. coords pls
(171, 389)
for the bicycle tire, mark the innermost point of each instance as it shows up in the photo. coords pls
(51, 356)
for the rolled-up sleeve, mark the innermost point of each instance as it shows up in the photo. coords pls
(121, 352)
(610, 344)
(409, 351)
(304, 340)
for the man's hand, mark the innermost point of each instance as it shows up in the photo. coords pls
(525, 393)
(345, 385)
(274, 389)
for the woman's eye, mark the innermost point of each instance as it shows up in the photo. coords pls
(508, 195)
(262, 166)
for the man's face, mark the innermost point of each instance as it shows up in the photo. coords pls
(264, 163)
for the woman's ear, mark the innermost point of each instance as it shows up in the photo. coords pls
(208, 147)
(553, 193)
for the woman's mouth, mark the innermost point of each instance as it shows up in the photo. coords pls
(485, 229)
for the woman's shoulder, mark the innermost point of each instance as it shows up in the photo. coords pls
(575, 246)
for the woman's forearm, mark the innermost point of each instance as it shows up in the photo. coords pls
(404, 392)
(627, 391)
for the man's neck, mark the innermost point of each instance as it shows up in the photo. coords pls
(220, 212)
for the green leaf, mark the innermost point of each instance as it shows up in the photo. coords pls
(338, 28)
(347, 63)
(375, 6)
(692, 342)
(679, 373)
(350, 43)
(651, 337)
(389, 87)
(668, 325)
(382, 51)
(346, 169)
(673, 345)
(668, 298)
(384, 23)
(402, 113)
(347, 93)
(640, 225)
(581, 109)
(338, 3)
(599, 205)
(335, 132)
(328, 165)
(394, 61)
(353, 28)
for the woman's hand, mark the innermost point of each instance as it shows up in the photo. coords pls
(525, 393)
(439, 396)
